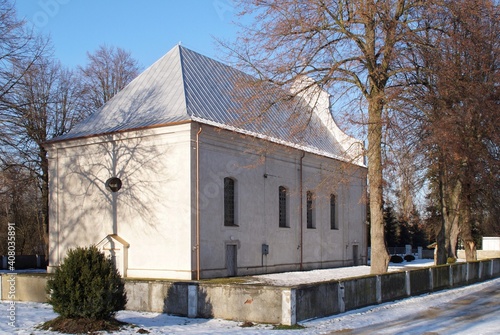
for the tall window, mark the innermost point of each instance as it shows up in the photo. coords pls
(229, 202)
(333, 212)
(310, 209)
(283, 207)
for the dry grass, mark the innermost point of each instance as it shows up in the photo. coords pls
(82, 325)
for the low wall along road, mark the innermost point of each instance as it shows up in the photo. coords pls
(233, 299)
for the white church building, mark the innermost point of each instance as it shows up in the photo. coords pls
(179, 176)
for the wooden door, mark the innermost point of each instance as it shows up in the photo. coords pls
(231, 260)
(355, 255)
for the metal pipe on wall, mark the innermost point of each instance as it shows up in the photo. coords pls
(301, 212)
(198, 203)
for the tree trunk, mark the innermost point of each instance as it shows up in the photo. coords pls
(454, 233)
(45, 199)
(450, 204)
(452, 217)
(470, 250)
(440, 253)
(466, 233)
(379, 255)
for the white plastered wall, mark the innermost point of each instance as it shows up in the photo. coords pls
(259, 168)
(152, 211)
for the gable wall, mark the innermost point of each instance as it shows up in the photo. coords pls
(152, 210)
(259, 168)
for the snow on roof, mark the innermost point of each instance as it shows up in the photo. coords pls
(185, 86)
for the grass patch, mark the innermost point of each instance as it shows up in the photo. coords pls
(247, 324)
(82, 325)
(292, 327)
(229, 280)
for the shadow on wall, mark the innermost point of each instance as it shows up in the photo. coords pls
(204, 308)
(187, 300)
(136, 160)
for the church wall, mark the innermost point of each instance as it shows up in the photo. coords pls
(259, 169)
(155, 211)
(151, 212)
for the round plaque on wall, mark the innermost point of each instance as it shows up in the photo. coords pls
(114, 184)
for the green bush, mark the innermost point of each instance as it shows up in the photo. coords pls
(87, 285)
(396, 259)
(409, 258)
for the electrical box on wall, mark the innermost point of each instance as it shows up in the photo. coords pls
(265, 249)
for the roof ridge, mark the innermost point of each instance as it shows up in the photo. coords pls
(183, 78)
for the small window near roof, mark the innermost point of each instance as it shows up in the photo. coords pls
(283, 207)
(310, 210)
(229, 202)
(333, 212)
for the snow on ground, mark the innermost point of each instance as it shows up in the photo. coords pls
(418, 315)
(314, 276)
(472, 309)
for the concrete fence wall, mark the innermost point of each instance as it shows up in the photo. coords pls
(481, 254)
(272, 304)
(25, 262)
(323, 299)
(25, 287)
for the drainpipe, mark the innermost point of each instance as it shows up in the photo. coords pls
(198, 203)
(301, 213)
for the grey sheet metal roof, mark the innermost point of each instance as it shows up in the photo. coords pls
(185, 86)
(153, 98)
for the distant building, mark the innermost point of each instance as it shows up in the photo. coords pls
(175, 178)
(491, 243)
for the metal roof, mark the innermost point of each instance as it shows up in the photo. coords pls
(186, 86)
(154, 97)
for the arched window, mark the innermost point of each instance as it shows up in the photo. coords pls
(333, 212)
(310, 209)
(283, 207)
(229, 202)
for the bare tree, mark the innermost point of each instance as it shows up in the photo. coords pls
(460, 70)
(20, 204)
(18, 46)
(347, 47)
(44, 103)
(39, 100)
(109, 70)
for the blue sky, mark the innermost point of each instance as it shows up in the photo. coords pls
(146, 28)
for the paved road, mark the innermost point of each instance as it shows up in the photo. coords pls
(473, 314)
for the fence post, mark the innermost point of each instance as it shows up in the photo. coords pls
(431, 280)
(420, 249)
(467, 271)
(408, 250)
(408, 283)
(288, 307)
(341, 294)
(192, 301)
(450, 275)
(379, 289)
